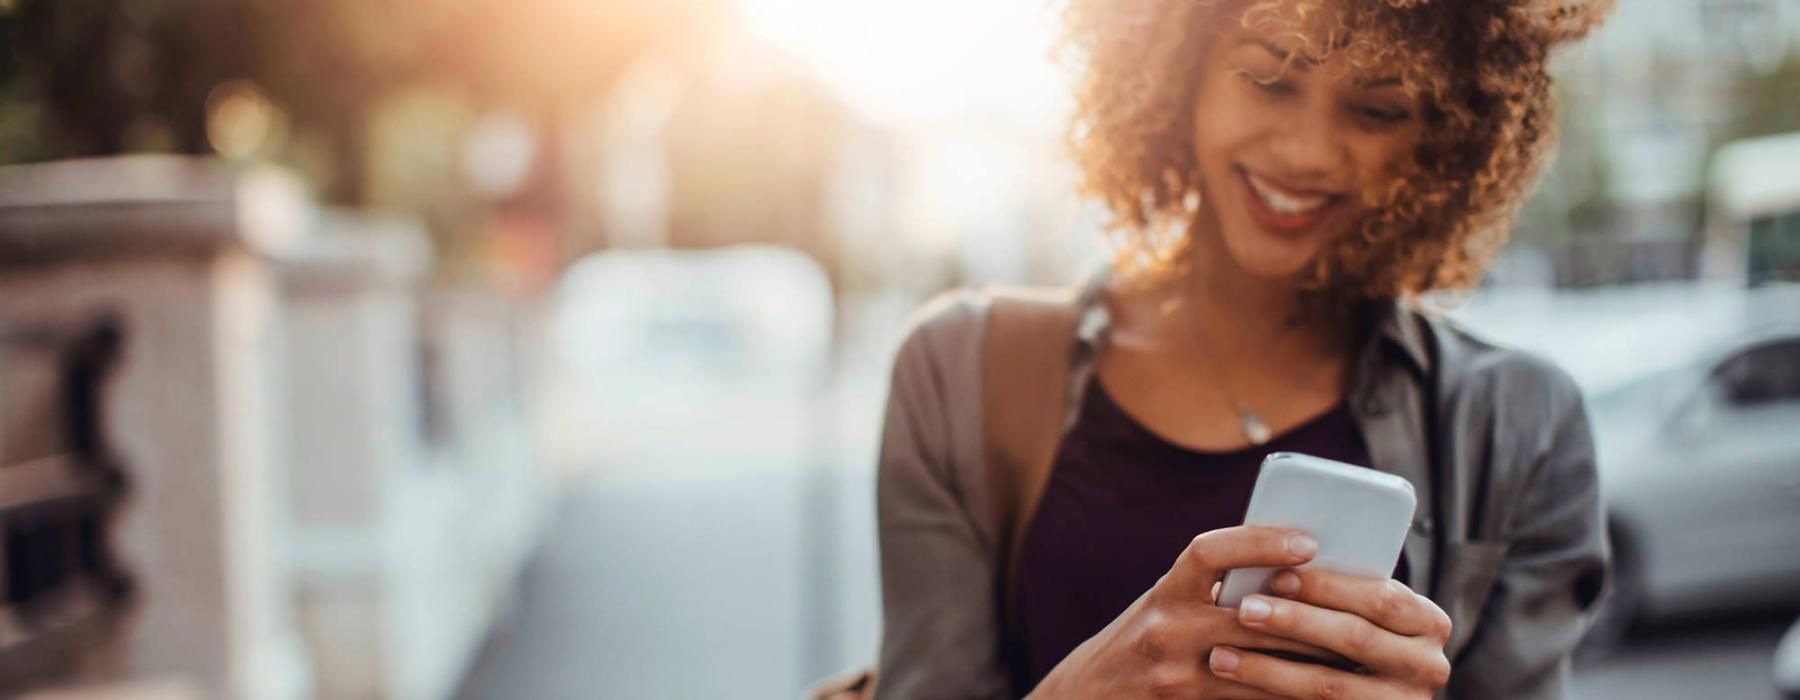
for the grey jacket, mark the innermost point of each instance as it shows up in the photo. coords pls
(1508, 537)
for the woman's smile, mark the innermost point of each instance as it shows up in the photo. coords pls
(1284, 210)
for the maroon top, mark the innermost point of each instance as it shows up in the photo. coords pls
(1121, 504)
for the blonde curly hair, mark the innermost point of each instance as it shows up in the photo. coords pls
(1488, 122)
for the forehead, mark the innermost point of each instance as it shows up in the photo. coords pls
(1314, 32)
(1310, 27)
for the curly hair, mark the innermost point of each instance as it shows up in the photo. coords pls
(1488, 124)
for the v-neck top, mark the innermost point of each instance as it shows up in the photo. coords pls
(1121, 503)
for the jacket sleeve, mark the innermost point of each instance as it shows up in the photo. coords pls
(940, 636)
(1555, 566)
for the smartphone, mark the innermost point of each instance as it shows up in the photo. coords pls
(1358, 515)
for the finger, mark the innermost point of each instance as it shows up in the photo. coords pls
(1201, 627)
(1296, 680)
(1388, 653)
(1235, 633)
(1211, 554)
(1387, 603)
(1233, 690)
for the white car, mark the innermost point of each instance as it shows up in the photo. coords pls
(1694, 394)
(662, 346)
(1700, 469)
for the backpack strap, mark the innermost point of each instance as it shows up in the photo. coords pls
(1024, 374)
(1025, 368)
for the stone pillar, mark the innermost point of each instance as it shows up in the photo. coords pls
(417, 494)
(176, 250)
(357, 447)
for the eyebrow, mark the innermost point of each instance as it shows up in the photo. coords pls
(1279, 53)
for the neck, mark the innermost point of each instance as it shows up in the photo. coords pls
(1264, 314)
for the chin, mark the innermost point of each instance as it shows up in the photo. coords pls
(1268, 256)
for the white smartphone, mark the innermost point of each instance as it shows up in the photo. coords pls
(1358, 515)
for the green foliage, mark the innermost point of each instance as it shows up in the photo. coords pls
(100, 77)
(1771, 102)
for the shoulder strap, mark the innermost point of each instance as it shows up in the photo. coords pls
(1025, 365)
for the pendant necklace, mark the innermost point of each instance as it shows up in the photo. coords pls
(1255, 429)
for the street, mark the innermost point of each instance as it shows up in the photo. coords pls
(696, 589)
(1724, 659)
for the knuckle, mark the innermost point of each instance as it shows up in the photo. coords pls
(1360, 637)
(1199, 551)
(1441, 625)
(1437, 672)
(1156, 639)
(1329, 688)
(1392, 601)
(1172, 681)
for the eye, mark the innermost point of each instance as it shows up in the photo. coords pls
(1280, 88)
(1381, 115)
(1274, 84)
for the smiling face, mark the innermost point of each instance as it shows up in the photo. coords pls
(1286, 149)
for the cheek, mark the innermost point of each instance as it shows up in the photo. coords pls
(1222, 122)
(1204, 127)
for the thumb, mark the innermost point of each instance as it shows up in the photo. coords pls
(1208, 556)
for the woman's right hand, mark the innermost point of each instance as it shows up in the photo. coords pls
(1158, 647)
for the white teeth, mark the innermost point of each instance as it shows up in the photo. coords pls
(1284, 203)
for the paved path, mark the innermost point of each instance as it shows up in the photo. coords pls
(1721, 660)
(646, 589)
(695, 588)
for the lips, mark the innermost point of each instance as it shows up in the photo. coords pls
(1282, 209)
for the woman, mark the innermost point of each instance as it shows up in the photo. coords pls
(1287, 179)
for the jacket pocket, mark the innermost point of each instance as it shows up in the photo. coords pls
(1468, 575)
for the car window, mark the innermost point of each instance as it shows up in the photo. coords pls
(1774, 248)
(1764, 374)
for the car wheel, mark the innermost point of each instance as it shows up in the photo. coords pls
(1619, 607)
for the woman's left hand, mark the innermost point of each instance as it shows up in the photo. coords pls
(1397, 635)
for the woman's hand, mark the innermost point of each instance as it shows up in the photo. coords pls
(1158, 647)
(1397, 635)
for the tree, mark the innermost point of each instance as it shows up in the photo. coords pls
(100, 77)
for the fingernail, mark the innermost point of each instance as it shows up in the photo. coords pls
(1223, 660)
(1254, 609)
(1302, 545)
(1285, 583)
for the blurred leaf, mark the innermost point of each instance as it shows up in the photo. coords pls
(1772, 102)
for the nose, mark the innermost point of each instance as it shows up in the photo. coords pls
(1307, 148)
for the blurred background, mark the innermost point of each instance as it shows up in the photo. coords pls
(441, 348)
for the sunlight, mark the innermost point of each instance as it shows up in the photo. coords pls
(923, 60)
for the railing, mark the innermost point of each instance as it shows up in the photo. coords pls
(61, 587)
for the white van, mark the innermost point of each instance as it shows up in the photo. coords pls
(1753, 212)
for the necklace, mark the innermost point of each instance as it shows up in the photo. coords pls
(1255, 429)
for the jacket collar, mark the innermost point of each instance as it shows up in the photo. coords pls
(1391, 319)
(1395, 323)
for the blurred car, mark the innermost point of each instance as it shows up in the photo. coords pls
(1700, 466)
(1694, 395)
(1787, 662)
(665, 345)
